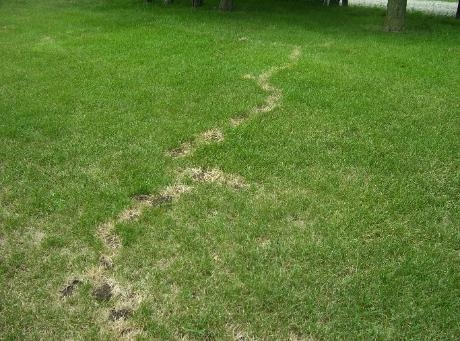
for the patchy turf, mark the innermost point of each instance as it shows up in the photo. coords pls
(286, 171)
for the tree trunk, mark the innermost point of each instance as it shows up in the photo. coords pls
(167, 2)
(197, 3)
(396, 15)
(345, 3)
(227, 5)
(334, 2)
(458, 10)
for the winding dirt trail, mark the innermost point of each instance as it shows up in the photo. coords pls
(106, 288)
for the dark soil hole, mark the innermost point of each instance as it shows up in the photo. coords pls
(120, 314)
(103, 292)
(69, 289)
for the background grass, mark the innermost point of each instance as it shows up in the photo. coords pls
(351, 226)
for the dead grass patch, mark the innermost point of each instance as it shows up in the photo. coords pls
(106, 262)
(295, 54)
(263, 242)
(153, 200)
(175, 191)
(237, 333)
(214, 135)
(215, 176)
(263, 81)
(69, 289)
(237, 121)
(181, 151)
(163, 264)
(106, 233)
(130, 214)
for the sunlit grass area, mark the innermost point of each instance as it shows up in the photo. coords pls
(330, 210)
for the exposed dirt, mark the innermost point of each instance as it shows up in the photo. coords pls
(120, 314)
(69, 288)
(103, 292)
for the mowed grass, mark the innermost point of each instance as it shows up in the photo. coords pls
(348, 229)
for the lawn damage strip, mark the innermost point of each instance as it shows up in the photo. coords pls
(214, 135)
(272, 101)
(122, 300)
(214, 176)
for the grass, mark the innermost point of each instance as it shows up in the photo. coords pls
(348, 227)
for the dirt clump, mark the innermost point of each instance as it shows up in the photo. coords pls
(103, 292)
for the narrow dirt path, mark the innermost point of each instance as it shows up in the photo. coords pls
(102, 276)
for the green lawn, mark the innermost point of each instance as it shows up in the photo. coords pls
(331, 212)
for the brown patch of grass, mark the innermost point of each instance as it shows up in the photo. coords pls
(106, 262)
(295, 54)
(237, 121)
(181, 151)
(214, 135)
(214, 176)
(70, 287)
(237, 333)
(106, 234)
(130, 214)
(263, 81)
(175, 191)
(163, 264)
(126, 331)
(153, 200)
(264, 242)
